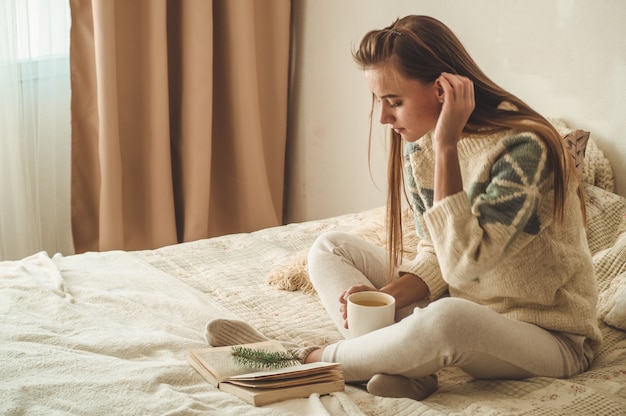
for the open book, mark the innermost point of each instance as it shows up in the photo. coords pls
(259, 388)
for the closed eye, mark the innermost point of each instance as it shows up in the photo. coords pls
(393, 100)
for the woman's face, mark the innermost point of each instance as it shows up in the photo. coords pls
(410, 107)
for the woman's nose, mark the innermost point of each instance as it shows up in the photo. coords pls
(385, 116)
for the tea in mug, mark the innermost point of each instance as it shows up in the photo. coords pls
(368, 302)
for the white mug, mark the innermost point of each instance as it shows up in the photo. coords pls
(368, 311)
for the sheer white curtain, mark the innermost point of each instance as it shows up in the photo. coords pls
(34, 128)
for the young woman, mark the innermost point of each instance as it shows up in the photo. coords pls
(502, 285)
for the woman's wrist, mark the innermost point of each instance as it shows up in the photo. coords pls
(407, 289)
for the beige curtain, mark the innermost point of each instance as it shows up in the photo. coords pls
(179, 113)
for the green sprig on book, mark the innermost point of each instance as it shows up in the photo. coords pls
(258, 358)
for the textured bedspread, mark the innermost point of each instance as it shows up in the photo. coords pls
(107, 333)
(300, 317)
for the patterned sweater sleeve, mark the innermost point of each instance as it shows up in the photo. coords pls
(473, 231)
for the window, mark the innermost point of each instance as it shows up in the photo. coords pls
(40, 27)
(34, 128)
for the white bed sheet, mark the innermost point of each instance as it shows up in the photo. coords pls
(107, 333)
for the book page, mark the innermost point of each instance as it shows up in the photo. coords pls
(219, 361)
(328, 376)
(296, 371)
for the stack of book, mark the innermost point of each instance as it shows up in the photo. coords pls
(259, 388)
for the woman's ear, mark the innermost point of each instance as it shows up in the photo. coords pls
(439, 91)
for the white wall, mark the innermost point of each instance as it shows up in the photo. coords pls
(566, 58)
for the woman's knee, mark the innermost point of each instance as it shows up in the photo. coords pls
(353, 258)
(327, 241)
(323, 246)
(335, 243)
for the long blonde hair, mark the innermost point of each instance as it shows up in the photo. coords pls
(421, 48)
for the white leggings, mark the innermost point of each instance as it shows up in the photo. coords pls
(447, 332)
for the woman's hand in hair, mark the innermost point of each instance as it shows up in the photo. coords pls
(456, 95)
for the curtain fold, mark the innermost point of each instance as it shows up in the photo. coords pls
(179, 113)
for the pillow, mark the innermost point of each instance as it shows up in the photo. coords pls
(610, 268)
(597, 169)
(605, 212)
(576, 142)
(616, 316)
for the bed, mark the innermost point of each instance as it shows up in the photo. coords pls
(107, 333)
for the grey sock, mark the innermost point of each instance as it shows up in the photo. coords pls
(225, 332)
(388, 385)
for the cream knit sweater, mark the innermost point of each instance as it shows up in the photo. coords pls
(496, 243)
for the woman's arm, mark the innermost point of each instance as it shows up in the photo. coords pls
(408, 289)
(457, 97)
